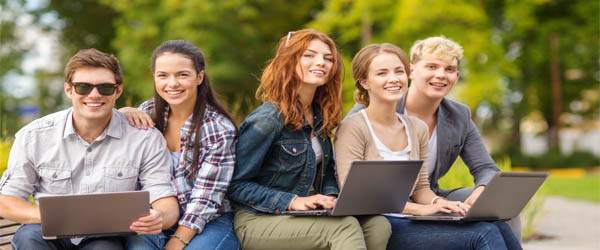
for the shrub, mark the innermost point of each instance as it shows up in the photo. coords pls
(555, 159)
(5, 145)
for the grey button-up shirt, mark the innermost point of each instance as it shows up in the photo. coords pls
(48, 158)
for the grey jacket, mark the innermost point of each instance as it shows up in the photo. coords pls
(456, 135)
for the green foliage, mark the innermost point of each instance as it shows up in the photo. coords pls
(85, 24)
(5, 145)
(525, 30)
(403, 22)
(532, 214)
(459, 175)
(555, 159)
(237, 37)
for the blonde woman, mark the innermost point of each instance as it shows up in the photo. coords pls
(285, 157)
(378, 132)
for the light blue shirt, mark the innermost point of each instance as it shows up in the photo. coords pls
(48, 157)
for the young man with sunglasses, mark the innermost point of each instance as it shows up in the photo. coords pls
(89, 148)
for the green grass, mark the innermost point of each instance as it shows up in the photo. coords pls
(581, 188)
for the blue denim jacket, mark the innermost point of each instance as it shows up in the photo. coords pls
(274, 163)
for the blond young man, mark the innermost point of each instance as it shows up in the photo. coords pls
(433, 73)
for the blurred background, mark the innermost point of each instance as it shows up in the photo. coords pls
(531, 72)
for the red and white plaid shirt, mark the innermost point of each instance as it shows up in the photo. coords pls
(203, 199)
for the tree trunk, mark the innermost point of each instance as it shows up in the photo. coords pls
(554, 126)
(366, 27)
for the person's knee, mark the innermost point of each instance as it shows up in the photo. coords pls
(28, 232)
(349, 222)
(143, 242)
(379, 225)
(103, 243)
(29, 237)
(487, 230)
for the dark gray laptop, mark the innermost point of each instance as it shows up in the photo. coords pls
(503, 198)
(372, 187)
(67, 216)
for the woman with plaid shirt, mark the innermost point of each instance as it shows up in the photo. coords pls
(201, 137)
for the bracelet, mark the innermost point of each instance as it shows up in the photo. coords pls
(289, 207)
(435, 199)
(180, 239)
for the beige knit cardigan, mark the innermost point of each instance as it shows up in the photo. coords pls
(353, 141)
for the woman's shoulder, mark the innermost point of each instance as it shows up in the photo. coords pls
(354, 120)
(147, 106)
(416, 124)
(353, 124)
(264, 118)
(217, 121)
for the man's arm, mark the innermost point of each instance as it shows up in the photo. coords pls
(17, 183)
(168, 209)
(477, 158)
(163, 215)
(18, 210)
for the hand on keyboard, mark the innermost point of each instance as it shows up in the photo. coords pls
(313, 202)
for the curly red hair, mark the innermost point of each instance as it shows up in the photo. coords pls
(280, 83)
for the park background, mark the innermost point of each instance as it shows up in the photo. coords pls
(531, 71)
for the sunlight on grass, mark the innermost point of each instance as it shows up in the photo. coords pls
(582, 188)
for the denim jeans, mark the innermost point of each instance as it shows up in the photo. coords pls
(218, 234)
(30, 237)
(407, 234)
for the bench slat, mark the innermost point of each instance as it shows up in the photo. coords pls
(7, 223)
(5, 242)
(8, 230)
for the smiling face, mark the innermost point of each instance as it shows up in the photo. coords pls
(386, 79)
(93, 106)
(176, 80)
(434, 78)
(314, 67)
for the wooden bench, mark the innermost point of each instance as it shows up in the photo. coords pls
(7, 231)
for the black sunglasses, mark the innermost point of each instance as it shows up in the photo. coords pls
(84, 88)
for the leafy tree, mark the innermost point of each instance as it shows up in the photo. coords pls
(357, 23)
(237, 37)
(528, 30)
(12, 51)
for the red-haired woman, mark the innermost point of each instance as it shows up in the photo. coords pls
(284, 156)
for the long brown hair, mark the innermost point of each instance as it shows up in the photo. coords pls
(206, 96)
(280, 84)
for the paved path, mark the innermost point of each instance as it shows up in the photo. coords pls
(574, 224)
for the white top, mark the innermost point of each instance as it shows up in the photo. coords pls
(316, 145)
(383, 150)
(431, 159)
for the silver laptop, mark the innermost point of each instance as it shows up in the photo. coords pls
(503, 198)
(67, 216)
(372, 187)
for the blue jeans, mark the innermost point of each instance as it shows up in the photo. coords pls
(218, 234)
(408, 234)
(30, 237)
